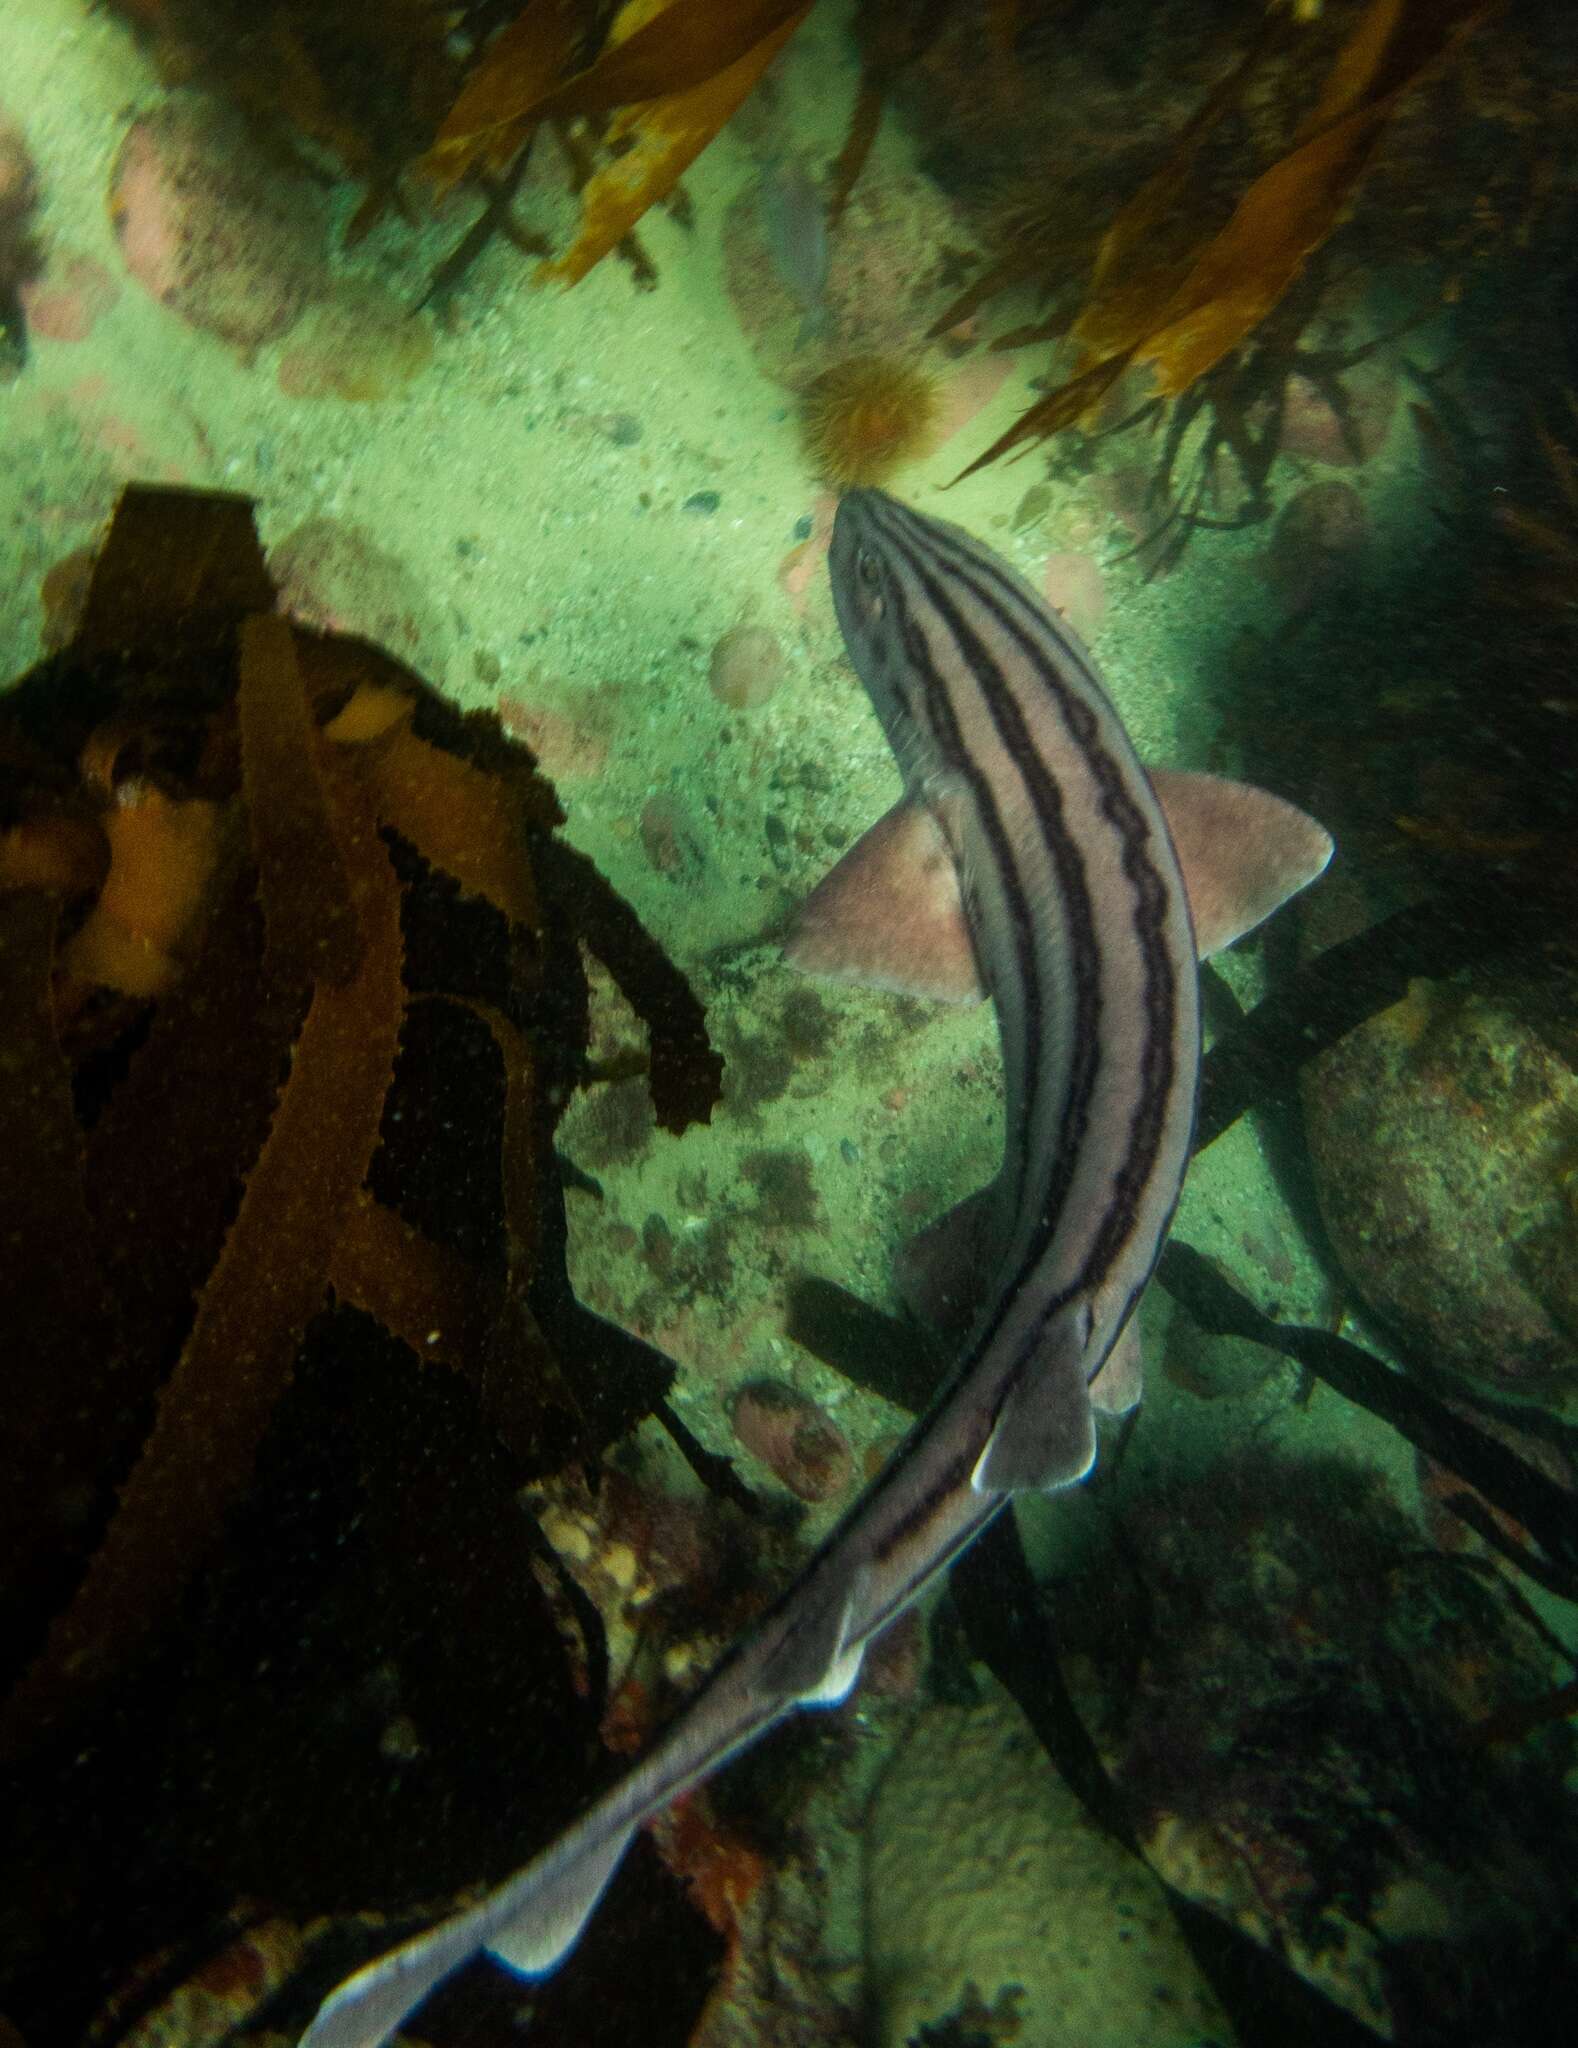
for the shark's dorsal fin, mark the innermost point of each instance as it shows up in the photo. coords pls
(546, 1923)
(818, 1663)
(1044, 1437)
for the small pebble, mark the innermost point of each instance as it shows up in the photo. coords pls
(776, 834)
(622, 428)
(746, 668)
(703, 503)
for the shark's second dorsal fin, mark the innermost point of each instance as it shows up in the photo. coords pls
(1044, 1437)
(546, 1923)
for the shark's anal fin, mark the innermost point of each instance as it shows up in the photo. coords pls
(547, 1923)
(818, 1661)
(1044, 1436)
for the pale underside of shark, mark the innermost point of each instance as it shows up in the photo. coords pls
(1033, 860)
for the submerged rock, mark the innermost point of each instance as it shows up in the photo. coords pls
(982, 1875)
(1443, 1136)
(1296, 1697)
(798, 1444)
(226, 239)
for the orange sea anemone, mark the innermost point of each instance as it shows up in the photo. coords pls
(868, 416)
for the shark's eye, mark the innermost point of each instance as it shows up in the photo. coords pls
(866, 569)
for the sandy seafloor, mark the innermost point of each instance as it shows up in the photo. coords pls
(540, 565)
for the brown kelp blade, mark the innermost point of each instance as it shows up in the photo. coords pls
(673, 51)
(1061, 408)
(458, 818)
(1184, 318)
(684, 1074)
(176, 566)
(268, 1283)
(499, 99)
(671, 79)
(313, 928)
(657, 141)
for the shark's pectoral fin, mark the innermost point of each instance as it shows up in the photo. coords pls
(890, 914)
(544, 1923)
(1242, 850)
(1044, 1437)
(1117, 1387)
(818, 1661)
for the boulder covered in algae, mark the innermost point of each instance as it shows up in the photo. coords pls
(984, 1879)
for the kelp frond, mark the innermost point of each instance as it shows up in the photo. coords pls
(237, 860)
(1183, 317)
(668, 77)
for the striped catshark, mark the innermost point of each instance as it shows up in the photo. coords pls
(1055, 878)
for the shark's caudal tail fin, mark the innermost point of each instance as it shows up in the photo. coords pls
(531, 1923)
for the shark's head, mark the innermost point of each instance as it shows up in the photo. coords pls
(882, 610)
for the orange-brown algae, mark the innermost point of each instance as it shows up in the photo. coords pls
(868, 416)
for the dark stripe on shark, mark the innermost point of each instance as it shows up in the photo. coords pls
(940, 714)
(1067, 865)
(1004, 602)
(954, 1478)
(1148, 912)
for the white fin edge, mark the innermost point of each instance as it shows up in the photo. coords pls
(1044, 1437)
(546, 1925)
(817, 1664)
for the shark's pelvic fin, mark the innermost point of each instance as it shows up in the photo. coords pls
(1044, 1437)
(890, 914)
(1120, 1382)
(546, 1922)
